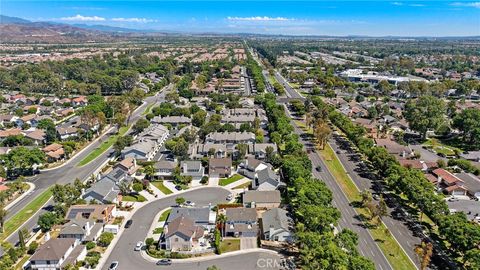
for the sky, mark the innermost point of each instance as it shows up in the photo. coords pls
(336, 18)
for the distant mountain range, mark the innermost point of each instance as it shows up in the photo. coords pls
(14, 29)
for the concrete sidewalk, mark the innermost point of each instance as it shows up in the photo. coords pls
(213, 257)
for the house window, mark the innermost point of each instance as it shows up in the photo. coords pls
(176, 239)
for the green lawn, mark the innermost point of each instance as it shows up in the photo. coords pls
(23, 215)
(147, 110)
(162, 187)
(103, 147)
(441, 148)
(231, 179)
(229, 245)
(158, 230)
(387, 243)
(164, 215)
(130, 198)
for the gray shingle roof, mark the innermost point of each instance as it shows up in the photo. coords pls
(275, 218)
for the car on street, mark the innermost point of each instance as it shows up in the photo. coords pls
(376, 197)
(229, 197)
(113, 265)
(338, 152)
(164, 262)
(177, 187)
(190, 203)
(138, 246)
(318, 168)
(128, 224)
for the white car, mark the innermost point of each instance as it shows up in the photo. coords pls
(138, 246)
(230, 197)
(189, 203)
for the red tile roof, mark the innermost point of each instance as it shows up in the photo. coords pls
(446, 176)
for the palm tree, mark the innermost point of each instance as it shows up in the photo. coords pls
(322, 133)
(222, 220)
(3, 215)
(424, 252)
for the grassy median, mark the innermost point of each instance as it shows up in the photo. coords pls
(103, 147)
(387, 243)
(23, 215)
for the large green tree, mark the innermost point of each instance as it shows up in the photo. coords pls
(424, 113)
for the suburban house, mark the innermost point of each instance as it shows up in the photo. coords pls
(230, 138)
(164, 169)
(450, 183)
(84, 230)
(57, 253)
(220, 167)
(107, 189)
(241, 222)
(172, 120)
(259, 150)
(181, 234)
(471, 155)
(471, 183)
(239, 116)
(207, 150)
(262, 175)
(262, 199)
(99, 213)
(276, 225)
(192, 168)
(79, 101)
(38, 136)
(394, 148)
(54, 152)
(201, 216)
(147, 143)
(128, 164)
(67, 132)
(10, 132)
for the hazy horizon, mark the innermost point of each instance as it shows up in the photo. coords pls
(333, 18)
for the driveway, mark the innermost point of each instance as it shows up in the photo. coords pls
(248, 242)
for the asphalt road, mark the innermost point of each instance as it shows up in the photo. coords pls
(398, 228)
(291, 93)
(70, 171)
(129, 259)
(349, 217)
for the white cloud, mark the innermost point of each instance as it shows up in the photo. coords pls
(467, 4)
(417, 5)
(260, 18)
(80, 18)
(135, 20)
(397, 3)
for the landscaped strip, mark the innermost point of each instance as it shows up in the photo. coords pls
(164, 215)
(231, 179)
(23, 215)
(387, 243)
(103, 147)
(147, 110)
(162, 187)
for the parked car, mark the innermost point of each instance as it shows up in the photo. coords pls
(128, 224)
(318, 168)
(177, 187)
(229, 197)
(164, 262)
(190, 203)
(113, 265)
(138, 246)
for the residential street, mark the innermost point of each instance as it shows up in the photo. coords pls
(129, 259)
(69, 172)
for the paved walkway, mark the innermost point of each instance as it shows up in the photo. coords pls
(213, 257)
(213, 181)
